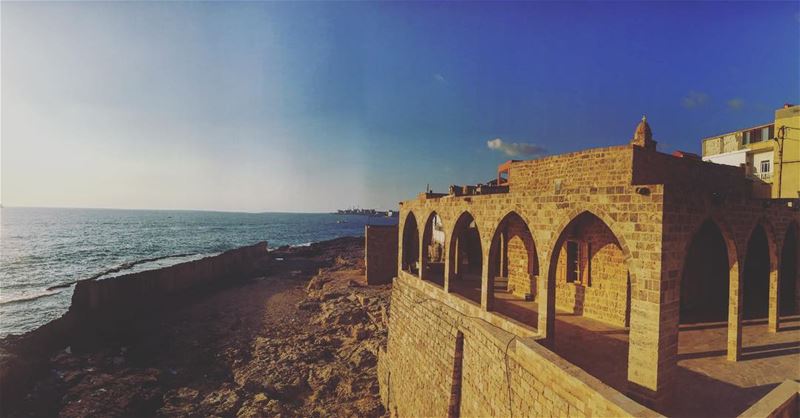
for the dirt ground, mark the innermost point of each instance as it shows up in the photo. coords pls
(300, 341)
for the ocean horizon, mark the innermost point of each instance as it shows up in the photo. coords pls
(45, 247)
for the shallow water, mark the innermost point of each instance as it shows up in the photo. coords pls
(40, 248)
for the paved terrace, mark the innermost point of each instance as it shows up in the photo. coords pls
(708, 385)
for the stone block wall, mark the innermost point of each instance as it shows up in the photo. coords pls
(650, 203)
(602, 290)
(521, 264)
(128, 294)
(380, 253)
(594, 167)
(501, 374)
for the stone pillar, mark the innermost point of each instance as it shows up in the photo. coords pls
(423, 253)
(735, 302)
(653, 336)
(486, 282)
(547, 296)
(447, 267)
(774, 300)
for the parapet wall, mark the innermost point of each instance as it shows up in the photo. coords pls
(130, 293)
(97, 303)
(380, 253)
(441, 362)
(569, 171)
(781, 402)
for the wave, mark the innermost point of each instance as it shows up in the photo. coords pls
(7, 300)
(121, 267)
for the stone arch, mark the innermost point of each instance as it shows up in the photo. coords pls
(603, 216)
(789, 272)
(409, 256)
(513, 255)
(709, 261)
(465, 257)
(433, 247)
(586, 237)
(760, 270)
(512, 270)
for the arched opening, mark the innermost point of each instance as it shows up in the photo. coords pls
(756, 275)
(466, 259)
(591, 272)
(787, 277)
(706, 277)
(433, 239)
(410, 256)
(513, 270)
(588, 291)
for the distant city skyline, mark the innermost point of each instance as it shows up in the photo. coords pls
(313, 107)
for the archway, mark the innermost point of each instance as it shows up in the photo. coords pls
(787, 277)
(410, 253)
(706, 277)
(756, 275)
(513, 270)
(465, 259)
(589, 285)
(591, 275)
(433, 241)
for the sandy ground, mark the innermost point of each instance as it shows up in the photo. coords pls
(300, 341)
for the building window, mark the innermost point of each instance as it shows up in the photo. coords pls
(767, 132)
(765, 166)
(573, 261)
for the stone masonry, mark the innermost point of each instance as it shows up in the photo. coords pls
(602, 233)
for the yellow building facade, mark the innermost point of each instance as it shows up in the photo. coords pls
(771, 152)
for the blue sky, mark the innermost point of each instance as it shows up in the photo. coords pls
(318, 106)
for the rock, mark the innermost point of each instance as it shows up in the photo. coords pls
(363, 358)
(359, 333)
(223, 401)
(257, 406)
(316, 283)
(308, 305)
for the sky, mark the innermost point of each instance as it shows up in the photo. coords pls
(308, 107)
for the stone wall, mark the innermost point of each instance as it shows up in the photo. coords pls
(100, 308)
(500, 374)
(130, 293)
(601, 291)
(521, 264)
(380, 253)
(651, 204)
(781, 402)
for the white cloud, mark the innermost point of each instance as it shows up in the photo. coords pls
(440, 78)
(694, 99)
(515, 149)
(735, 103)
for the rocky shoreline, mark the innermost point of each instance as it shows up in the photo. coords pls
(300, 338)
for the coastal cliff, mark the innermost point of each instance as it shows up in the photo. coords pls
(295, 335)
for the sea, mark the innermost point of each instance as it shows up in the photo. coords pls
(45, 247)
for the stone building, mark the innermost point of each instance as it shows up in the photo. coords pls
(606, 282)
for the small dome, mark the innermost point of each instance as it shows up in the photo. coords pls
(643, 136)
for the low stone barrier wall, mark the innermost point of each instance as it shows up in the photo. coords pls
(129, 293)
(439, 360)
(781, 402)
(102, 305)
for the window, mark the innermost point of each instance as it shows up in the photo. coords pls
(765, 166)
(573, 266)
(768, 132)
